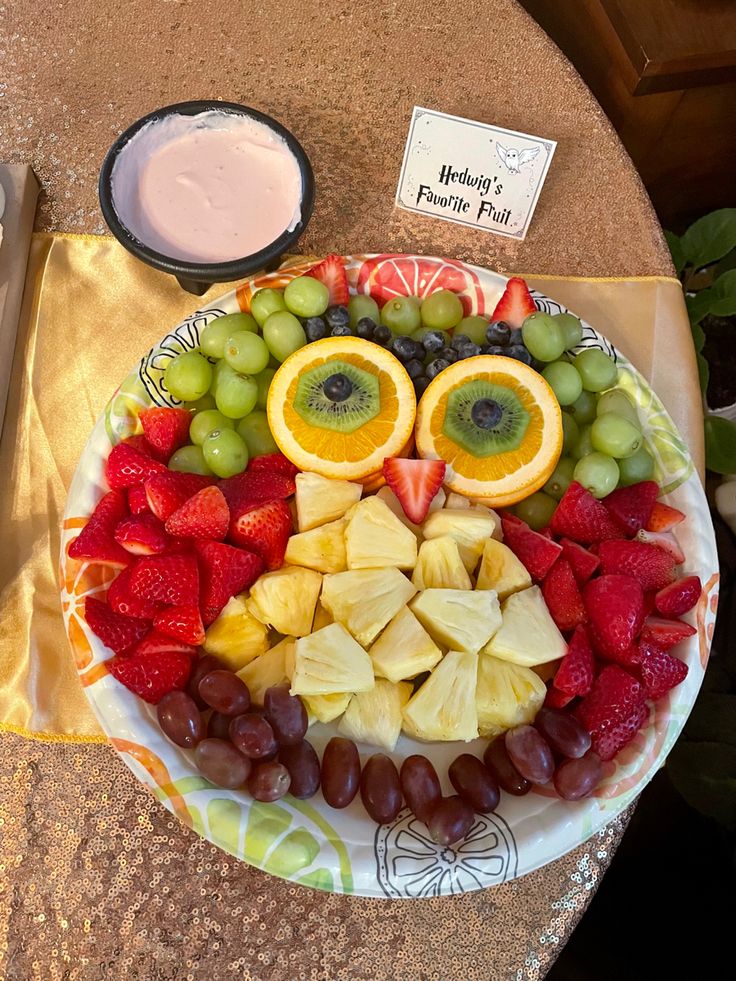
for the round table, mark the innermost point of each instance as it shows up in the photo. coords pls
(99, 880)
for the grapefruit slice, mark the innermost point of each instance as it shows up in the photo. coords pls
(321, 428)
(497, 425)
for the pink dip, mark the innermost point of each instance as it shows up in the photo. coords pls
(207, 188)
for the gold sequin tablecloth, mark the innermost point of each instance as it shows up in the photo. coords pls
(97, 880)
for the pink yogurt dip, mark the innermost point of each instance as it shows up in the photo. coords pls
(207, 188)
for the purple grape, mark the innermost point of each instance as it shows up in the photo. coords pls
(287, 715)
(253, 736)
(577, 778)
(451, 820)
(180, 719)
(218, 726)
(421, 786)
(563, 732)
(225, 692)
(302, 763)
(269, 781)
(221, 763)
(340, 771)
(380, 789)
(474, 783)
(202, 667)
(530, 754)
(498, 761)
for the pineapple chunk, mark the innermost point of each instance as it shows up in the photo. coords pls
(439, 565)
(330, 662)
(321, 618)
(325, 708)
(528, 634)
(375, 538)
(462, 619)
(404, 649)
(470, 527)
(286, 599)
(375, 716)
(319, 499)
(444, 707)
(501, 570)
(457, 502)
(322, 548)
(365, 600)
(267, 670)
(391, 501)
(507, 695)
(236, 637)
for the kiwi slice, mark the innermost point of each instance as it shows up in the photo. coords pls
(338, 396)
(484, 418)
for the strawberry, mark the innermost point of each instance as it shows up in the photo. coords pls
(137, 500)
(650, 565)
(615, 605)
(631, 507)
(665, 540)
(122, 600)
(663, 518)
(182, 622)
(206, 515)
(140, 443)
(609, 740)
(248, 490)
(679, 597)
(582, 562)
(649, 598)
(537, 552)
(225, 571)
(273, 463)
(96, 541)
(575, 673)
(115, 630)
(264, 530)
(615, 696)
(661, 672)
(415, 483)
(557, 699)
(127, 466)
(331, 272)
(165, 429)
(516, 303)
(629, 658)
(166, 492)
(156, 641)
(581, 517)
(170, 579)
(152, 677)
(665, 634)
(562, 596)
(142, 534)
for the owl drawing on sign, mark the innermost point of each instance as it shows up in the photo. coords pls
(514, 159)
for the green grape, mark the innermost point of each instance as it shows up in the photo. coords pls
(213, 337)
(263, 381)
(615, 435)
(570, 432)
(236, 395)
(401, 315)
(283, 334)
(597, 370)
(256, 434)
(246, 353)
(264, 303)
(362, 306)
(583, 446)
(583, 408)
(441, 310)
(474, 328)
(616, 400)
(561, 478)
(572, 329)
(564, 381)
(204, 422)
(188, 376)
(189, 459)
(221, 370)
(416, 300)
(306, 297)
(536, 510)
(206, 402)
(225, 453)
(598, 473)
(543, 336)
(639, 466)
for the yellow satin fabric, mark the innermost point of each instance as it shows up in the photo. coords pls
(89, 311)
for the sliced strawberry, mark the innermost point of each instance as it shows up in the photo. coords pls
(516, 303)
(661, 672)
(575, 673)
(224, 571)
(581, 517)
(557, 699)
(663, 539)
(607, 741)
(96, 541)
(537, 552)
(122, 599)
(166, 429)
(331, 272)
(679, 597)
(248, 490)
(182, 622)
(273, 463)
(614, 697)
(140, 443)
(649, 597)
(206, 515)
(153, 676)
(264, 530)
(115, 630)
(170, 579)
(142, 534)
(582, 561)
(415, 483)
(562, 596)
(665, 634)
(155, 642)
(629, 658)
(166, 492)
(615, 605)
(127, 466)
(664, 518)
(651, 566)
(137, 500)
(631, 507)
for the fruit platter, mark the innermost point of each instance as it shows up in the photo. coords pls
(389, 576)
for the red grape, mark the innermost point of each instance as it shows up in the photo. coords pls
(302, 763)
(563, 732)
(253, 736)
(340, 771)
(498, 761)
(530, 754)
(474, 783)
(451, 820)
(380, 789)
(421, 786)
(269, 781)
(225, 692)
(202, 667)
(221, 763)
(218, 726)
(578, 778)
(180, 719)
(287, 715)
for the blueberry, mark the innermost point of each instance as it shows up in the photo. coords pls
(365, 328)
(341, 330)
(382, 334)
(448, 354)
(337, 387)
(315, 328)
(433, 340)
(515, 337)
(494, 349)
(498, 332)
(436, 366)
(414, 368)
(459, 340)
(519, 353)
(337, 317)
(420, 385)
(404, 348)
(468, 350)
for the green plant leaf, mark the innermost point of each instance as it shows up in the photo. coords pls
(725, 285)
(698, 305)
(710, 238)
(698, 336)
(676, 251)
(703, 372)
(726, 263)
(704, 775)
(723, 307)
(720, 445)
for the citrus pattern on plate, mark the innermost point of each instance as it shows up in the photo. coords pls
(353, 855)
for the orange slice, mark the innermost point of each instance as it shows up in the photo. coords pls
(345, 455)
(507, 475)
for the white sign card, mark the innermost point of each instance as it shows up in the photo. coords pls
(472, 173)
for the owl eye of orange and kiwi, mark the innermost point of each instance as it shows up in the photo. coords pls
(485, 419)
(338, 396)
